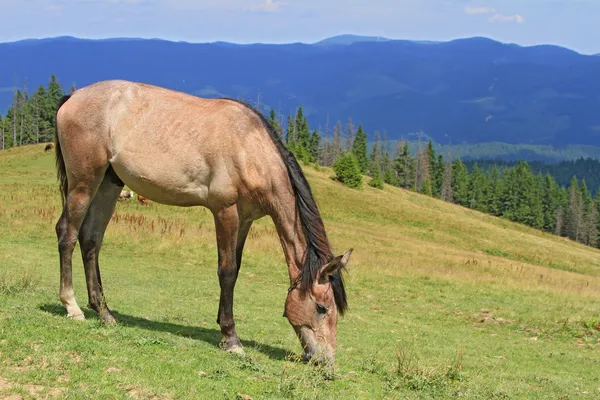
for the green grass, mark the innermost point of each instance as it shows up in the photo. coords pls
(445, 302)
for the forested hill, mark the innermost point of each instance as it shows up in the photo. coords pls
(463, 91)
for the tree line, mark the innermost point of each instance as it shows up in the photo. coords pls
(31, 116)
(509, 190)
(513, 191)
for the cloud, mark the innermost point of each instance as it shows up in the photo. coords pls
(479, 10)
(518, 18)
(55, 9)
(268, 6)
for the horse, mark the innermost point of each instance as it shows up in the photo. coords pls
(183, 150)
(48, 147)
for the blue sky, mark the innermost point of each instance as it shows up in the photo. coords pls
(569, 23)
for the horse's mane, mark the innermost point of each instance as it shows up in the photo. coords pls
(318, 252)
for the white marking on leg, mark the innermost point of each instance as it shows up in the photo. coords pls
(73, 310)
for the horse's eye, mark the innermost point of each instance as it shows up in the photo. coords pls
(321, 309)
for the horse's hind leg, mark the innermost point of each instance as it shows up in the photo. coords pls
(80, 193)
(91, 235)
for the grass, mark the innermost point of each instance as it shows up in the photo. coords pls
(445, 302)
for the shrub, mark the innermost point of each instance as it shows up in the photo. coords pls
(347, 171)
(376, 180)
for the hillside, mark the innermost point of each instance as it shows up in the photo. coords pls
(444, 302)
(464, 91)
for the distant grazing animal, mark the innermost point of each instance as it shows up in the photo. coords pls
(125, 194)
(142, 200)
(48, 147)
(182, 150)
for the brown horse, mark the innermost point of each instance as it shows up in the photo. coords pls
(182, 150)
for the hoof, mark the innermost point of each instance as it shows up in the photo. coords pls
(108, 319)
(232, 345)
(76, 317)
(238, 350)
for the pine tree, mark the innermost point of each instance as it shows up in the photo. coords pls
(303, 135)
(446, 192)
(350, 134)
(477, 190)
(376, 179)
(404, 165)
(460, 183)
(559, 227)
(359, 149)
(337, 140)
(375, 156)
(423, 178)
(494, 193)
(574, 212)
(436, 170)
(597, 206)
(388, 175)
(1, 132)
(315, 146)
(347, 171)
(550, 203)
(520, 199)
(291, 136)
(274, 122)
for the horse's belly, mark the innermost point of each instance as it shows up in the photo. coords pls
(164, 182)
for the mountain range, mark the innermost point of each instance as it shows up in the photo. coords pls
(464, 91)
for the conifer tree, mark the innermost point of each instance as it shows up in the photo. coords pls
(446, 191)
(574, 212)
(376, 179)
(350, 135)
(460, 183)
(388, 175)
(375, 156)
(423, 177)
(436, 169)
(404, 165)
(550, 203)
(477, 190)
(359, 149)
(347, 171)
(315, 146)
(494, 193)
(273, 120)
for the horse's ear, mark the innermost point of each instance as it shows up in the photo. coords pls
(333, 266)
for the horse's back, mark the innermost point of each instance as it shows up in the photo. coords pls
(172, 147)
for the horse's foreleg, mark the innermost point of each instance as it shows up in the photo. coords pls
(227, 224)
(91, 235)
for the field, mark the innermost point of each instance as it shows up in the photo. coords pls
(444, 303)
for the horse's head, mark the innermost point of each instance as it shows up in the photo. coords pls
(313, 313)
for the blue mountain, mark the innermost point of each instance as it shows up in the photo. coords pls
(472, 90)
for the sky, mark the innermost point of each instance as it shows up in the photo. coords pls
(568, 23)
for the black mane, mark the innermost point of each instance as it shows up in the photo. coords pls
(318, 252)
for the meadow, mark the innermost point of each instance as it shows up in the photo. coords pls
(445, 302)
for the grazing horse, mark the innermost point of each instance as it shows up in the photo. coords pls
(182, 150)
(48, 147)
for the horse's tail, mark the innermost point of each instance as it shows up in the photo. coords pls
(61, 171)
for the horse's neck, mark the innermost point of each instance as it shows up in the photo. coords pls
(292, 238)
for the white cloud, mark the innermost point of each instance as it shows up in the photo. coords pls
(55, 9)
(518, 18)
(479, 10)
(266, 6)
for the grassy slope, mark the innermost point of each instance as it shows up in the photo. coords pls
(444, 302)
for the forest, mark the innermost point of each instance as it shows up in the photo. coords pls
(555, 198)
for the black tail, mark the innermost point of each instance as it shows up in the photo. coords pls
(61, 172)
